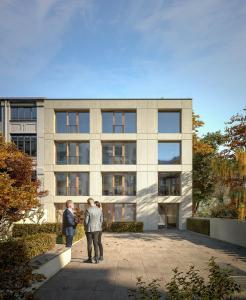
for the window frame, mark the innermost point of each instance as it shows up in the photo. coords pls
(111, 207)
(180, 183)
(171, 142)
(171, 111)
(123, 147)
(31, 138)
(77, 152)
(123, 119)
(33, 116)
(123, 186)
(68, 186)
(76, 125)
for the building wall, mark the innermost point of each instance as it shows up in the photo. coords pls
(147, 167)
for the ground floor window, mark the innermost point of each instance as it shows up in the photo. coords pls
(78, 207)
(169, 184)
(117, 212)
(72, 184)
(119, 184)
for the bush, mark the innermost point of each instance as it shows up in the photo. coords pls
(229, 211)
(199, 225)
(20, 230)
(190, 285)
(15, 270)
(124, 227)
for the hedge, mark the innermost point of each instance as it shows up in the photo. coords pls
(20, 230)
(124, 227)
(199, 225)
(16, 272)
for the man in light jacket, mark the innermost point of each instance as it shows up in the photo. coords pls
(93, 225)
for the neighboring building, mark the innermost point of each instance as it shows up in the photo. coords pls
(133, 155)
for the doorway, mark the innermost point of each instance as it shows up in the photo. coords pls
(169, 215)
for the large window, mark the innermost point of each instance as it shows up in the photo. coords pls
(72, 153)
(23, 113)
(116, 212)
(116, 184)
(169, 121)
(72, 184)
(72, 122)
(78, 207)
(26, 143)
(169, 153)
(119, 121)
(169, 184)
(119, 153)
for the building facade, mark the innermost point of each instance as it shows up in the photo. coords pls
(133, 155)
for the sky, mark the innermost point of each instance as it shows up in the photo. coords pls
(127, 49)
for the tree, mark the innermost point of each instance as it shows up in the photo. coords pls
(18, 191)
(204, 149)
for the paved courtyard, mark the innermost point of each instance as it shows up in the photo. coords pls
(150, 255)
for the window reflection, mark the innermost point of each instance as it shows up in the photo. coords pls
(72, 184)
(72, 153)
(119, 122)
(72, 122)
(169, 153)
(119, 153)
(169, 184)
(169, 121)
(119, 184)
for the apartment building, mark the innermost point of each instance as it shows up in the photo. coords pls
(133, 155)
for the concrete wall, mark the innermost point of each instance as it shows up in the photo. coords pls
(231, 231)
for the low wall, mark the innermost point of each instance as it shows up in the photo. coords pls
(228, 230)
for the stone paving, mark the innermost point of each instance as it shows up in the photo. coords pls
(128, 255)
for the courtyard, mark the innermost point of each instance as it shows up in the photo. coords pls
(129, 255)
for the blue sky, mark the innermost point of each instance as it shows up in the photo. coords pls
(127, 48)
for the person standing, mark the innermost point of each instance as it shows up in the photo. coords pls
(93, 225)
(98, 204)
(69, 223)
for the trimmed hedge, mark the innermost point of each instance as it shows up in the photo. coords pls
(16, 272)
(20, 230)
(199, 225)
(124, 227)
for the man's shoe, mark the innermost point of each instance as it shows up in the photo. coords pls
(96, 261)
(88, 261)
(101, 258)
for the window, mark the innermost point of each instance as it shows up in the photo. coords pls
(169, 184)
(78, 207)
(119, 153)
(169, 121)
(72, 184)
(118, 184)
(72, 122)
(119, 121)
(23, 113)
(115, 212)
(26, 143)
(169, 153)
(72, 153)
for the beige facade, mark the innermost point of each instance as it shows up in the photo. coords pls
(146, 137)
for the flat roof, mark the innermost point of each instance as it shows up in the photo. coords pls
(87, 99)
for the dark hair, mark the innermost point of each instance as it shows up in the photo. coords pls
(98, 204)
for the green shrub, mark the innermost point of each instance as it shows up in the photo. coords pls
(190, 285)
(222, 210)
(124, 227)
(20, 230)
(16, 272)
(199, 225)
(29, 229)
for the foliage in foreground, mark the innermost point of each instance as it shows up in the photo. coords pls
(15, 269)
(190, 285)
(18, 190)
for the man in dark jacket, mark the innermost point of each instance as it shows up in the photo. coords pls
(69, 223)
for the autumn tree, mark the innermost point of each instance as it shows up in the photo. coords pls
(18, 191)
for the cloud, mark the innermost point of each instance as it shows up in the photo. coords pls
(31, 32)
